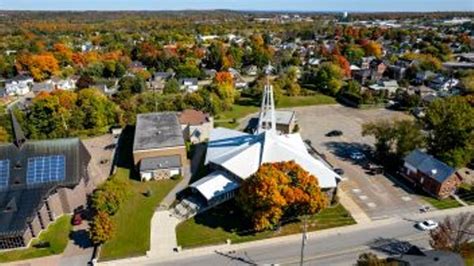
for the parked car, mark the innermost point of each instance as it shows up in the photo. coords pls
(339, 171)
(357, 155)
(77, 219)
(427, 225)
(334, 133)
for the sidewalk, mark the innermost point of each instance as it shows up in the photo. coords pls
(356, 212)
(163, 234)
(296, 237)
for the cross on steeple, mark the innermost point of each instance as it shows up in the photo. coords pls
(266, 121)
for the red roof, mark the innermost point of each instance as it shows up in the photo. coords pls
(193, 117)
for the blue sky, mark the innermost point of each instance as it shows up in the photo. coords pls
(289, 5)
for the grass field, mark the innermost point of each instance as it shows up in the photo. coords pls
(57, 235)
(441, 204)
(133, 219)
(132, 234)
(246, 106)
(294, 101)
(225, 222)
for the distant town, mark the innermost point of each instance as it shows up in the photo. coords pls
(251, 138)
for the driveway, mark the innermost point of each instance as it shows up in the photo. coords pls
(377, 195)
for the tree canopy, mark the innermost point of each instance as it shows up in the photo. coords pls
(278, 190)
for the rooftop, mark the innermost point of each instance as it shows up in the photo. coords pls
(429, 165)
(193, 117)
(163, 162)
(157, 131)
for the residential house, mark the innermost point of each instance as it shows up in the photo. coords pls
(377, 69)
(196, 125)
(442, 83)
(159, 146)
(19, 85)
(391, 86)
(63, 84)
(39, 181)
(430, 174)
(251, 70)
(159, 79)
(423, 76)
(189, 84)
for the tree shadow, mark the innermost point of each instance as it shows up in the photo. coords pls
(124, 153)
(81, 238)
(390, 246)
(344, 149)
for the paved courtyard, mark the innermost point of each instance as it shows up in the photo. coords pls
(376, 195)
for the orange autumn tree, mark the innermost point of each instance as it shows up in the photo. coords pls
(41, 66)
(278, 190)
(373, 48)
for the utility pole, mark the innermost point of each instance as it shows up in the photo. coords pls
(303, 241)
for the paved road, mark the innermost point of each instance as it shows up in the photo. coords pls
(329, 247)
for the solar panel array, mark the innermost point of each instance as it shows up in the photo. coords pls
(4, 173)
(44, 169)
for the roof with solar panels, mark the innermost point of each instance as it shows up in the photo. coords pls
(30, 170)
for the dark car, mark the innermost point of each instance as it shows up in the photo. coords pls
(334, 133)
(77, 219)
(339, 171)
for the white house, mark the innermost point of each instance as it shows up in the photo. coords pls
(390, 85)
(64, 84)
(189, 84)
(19, 85)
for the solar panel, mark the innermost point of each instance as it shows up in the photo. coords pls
(44, 169)
(4, 173)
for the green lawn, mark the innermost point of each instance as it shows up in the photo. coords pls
(294, 101)
(441, 204)
(246, 106)
(57, 235)
(132, 234)
(225, 222)
(225, 119)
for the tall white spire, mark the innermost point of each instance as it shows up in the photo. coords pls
(266, 121)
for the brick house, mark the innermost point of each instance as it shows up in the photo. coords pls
(39, 181)
(158, 146)
(430, 174)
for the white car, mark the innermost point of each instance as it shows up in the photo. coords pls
(357, 155)
(427, 225)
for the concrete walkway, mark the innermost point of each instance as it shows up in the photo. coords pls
(163, 234)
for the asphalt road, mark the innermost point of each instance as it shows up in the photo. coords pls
(342, 248)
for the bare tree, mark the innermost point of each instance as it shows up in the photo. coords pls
(454, 233)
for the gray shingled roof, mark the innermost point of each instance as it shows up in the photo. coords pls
(157, 131)
(28, 198)
(163, 162)
(429, 165)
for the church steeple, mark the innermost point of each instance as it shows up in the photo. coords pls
(266, 121)
(17, 131)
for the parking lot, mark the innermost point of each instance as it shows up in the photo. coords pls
(377, 195)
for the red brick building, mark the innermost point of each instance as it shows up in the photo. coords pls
(430, 174)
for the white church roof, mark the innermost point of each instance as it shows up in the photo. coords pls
(244, 159)
(215, 184)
